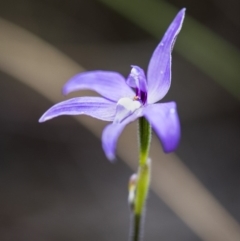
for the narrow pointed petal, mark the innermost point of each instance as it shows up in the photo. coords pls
(159, 69)
(96, 107)
(164, 120)
(110, 85)
(112, 132)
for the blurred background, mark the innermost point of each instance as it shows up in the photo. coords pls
(55, 181)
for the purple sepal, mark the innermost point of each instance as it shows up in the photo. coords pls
(112, 132)
(110, 85)
(164, 119)
(159, 68)
(96, 107)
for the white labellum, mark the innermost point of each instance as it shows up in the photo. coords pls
(125, 107)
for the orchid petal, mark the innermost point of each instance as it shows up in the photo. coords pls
(110, 85)
(96, 107)
(112, 132)
(164, 120)
(159, 68)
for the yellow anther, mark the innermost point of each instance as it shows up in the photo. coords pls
(136, 98)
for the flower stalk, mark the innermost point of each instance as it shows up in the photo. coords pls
(143, 177)
(145, 134)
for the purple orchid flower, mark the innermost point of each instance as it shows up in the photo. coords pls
(120, 104)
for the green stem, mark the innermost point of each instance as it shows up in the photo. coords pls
(145, 134)
(143, 177)
(137, 228)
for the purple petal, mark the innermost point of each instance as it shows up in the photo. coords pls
(110, 85)
(112, 132)
(165, 122)
(96, 107)
(159, 69)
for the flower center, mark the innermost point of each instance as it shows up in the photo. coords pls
(137, 80)
(141, 95)
(125, 107)
(136, 98)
